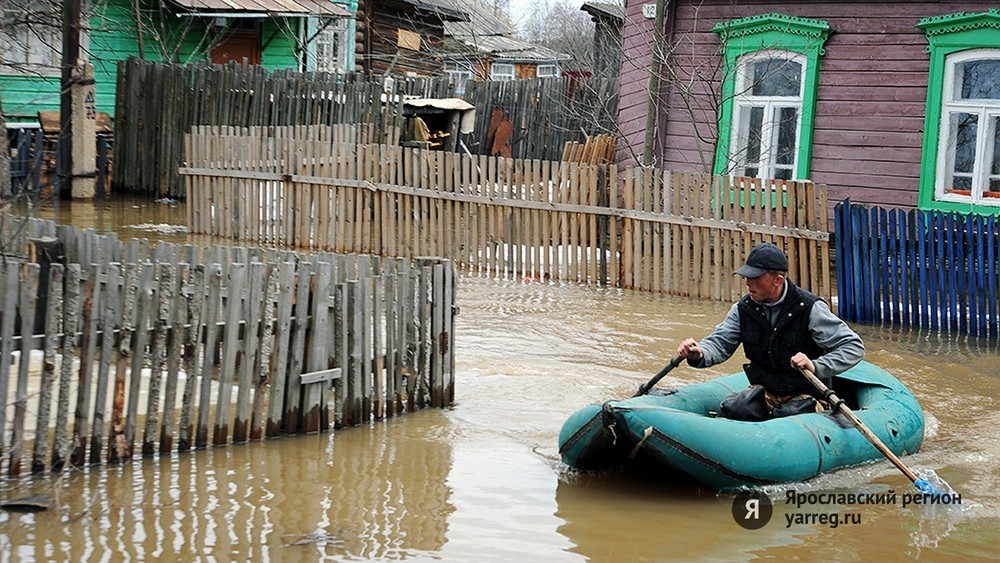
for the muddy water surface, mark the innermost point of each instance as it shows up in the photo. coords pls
(482, 480)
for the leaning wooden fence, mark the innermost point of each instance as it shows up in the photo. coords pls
(629, 227)
(121, 349)
(926, 269)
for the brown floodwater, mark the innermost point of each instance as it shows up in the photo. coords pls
(482, 480)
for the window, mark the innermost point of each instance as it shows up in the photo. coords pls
(458, 75)
(331, 45)
(501, 71)
(768, 104)
(768, 95)
(969, 157)
(960, 170)
(31, 35)
(546, 71)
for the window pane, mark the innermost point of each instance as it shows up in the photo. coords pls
(776, 77)
(995, 158)
(750, 134)
(978, 80)
(962, 133)
(964, 127)
(788, 121)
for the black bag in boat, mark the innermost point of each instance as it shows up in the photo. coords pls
(748, 404)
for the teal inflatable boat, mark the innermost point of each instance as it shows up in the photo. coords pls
(678, 430)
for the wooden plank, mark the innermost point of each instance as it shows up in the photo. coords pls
(230, 352)
(317, 347)
(53, 328)
(193, 348)
(214, 275)
(111, 311)
(146, 295)
(251, 314)
(292, 414)
(27, 302)
(264, 353)
(91, 311)
(9, 281)
(322, 376)
(71, 320)
(279, 364)
(166, 299)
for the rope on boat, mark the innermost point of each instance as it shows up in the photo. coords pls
(645, 435)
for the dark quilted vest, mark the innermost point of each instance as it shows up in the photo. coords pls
(770, 349)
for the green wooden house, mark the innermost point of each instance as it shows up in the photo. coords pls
(277, 34)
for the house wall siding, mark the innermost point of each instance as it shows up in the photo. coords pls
(869, 117)
(384, 55)
(113, 38)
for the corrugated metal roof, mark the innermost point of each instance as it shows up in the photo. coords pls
(513, 49)
(443, 8)
(482, 21)
(287, 8)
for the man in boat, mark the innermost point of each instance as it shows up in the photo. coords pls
(782, 328)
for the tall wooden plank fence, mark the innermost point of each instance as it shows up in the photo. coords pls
(157, 104)
(154, 350)
(926, 269)
(631, 227)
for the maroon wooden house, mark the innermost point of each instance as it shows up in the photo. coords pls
(894, 103)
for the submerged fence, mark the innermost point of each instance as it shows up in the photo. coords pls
(923, 269)
(629, 227)
(117, 348)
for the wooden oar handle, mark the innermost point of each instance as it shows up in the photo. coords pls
(859, 425)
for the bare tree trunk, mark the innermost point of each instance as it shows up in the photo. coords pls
(4, 158)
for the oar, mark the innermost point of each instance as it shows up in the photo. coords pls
(837, 403)
(645, 387)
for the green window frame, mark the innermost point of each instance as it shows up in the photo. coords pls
(954, 40)
(801, 39)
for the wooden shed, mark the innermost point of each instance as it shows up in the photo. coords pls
(892, 103)
(403, 37)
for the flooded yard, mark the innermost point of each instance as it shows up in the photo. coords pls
(483, 481)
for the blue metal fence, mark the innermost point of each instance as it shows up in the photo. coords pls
(923, 269)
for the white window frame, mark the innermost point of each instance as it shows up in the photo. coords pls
(744, 102)
(497, 75)
(458, 75)
(42, 44)
(988, 112)
(552, 71)
(330, 46)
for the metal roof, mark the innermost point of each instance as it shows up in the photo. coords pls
(263, 8)
(446, 10)
(604, 8)
(512, 49)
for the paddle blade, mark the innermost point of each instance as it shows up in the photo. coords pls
(930, 483)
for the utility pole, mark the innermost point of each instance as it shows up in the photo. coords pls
(78, 113)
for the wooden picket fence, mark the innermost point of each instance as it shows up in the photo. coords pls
(926, 269)
(627, 227)
(121, 348)
(157, 104)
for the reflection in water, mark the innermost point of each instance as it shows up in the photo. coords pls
(482, 481)
(379, 498)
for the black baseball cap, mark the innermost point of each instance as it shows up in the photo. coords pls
(764, 258)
